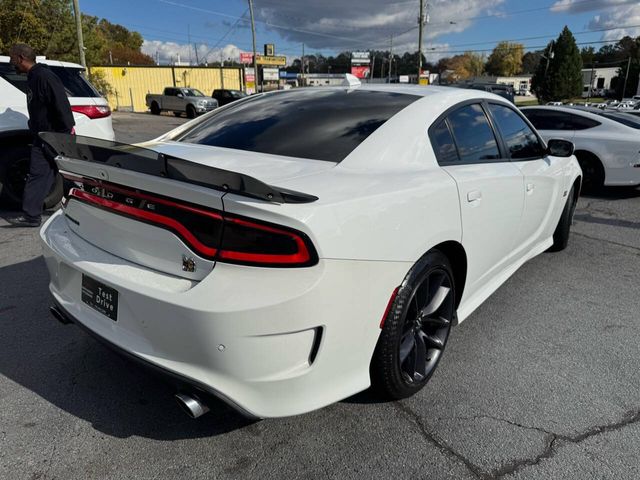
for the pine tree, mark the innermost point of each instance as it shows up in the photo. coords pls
(559, 74)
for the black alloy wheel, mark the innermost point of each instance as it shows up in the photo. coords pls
(416, 329)
(191, 111)
(155, 108)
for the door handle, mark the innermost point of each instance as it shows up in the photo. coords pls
(530, 187)
(474, 196)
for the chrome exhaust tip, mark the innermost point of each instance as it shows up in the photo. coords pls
(59, 315)
(191, 404)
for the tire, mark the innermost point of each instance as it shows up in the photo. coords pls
(416, 329)
(155, 108)
(593, 172)
(13, 176)
(561, 234)
(191, 112)
(177, 114)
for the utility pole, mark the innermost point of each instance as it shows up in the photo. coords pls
(373, 68)
(78, 15)
(255, 60)
(593, 66)
(390, 55)
(195, 49)
(189, 41)
(626, 77)
(421, 21)
(302, 66)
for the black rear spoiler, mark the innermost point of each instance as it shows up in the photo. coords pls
(149, 162)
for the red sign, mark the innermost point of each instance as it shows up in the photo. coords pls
(360, 71)
(246, 57)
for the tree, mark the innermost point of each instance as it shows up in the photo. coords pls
(530, 61)
(467, 65)
(505, 59)
(49, 27)
(631, 48)
(559, 74)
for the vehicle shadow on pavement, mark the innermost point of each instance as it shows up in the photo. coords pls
(75, 373)
(614, 193)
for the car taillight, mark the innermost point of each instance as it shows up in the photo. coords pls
(210, 233)
(92, 111)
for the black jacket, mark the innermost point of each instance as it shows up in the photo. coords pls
(47, 102)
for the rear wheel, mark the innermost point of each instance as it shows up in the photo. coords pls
(13, 177)
(155, 108)
(191, 112)
(592, 170)
(416, 329)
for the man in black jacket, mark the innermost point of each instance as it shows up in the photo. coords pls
(49, 111)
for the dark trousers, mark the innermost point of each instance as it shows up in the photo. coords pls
(39, 183)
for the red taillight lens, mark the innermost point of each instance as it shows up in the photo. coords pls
(92, 111)
(209, 233)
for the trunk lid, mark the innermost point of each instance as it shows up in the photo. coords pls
(152, 207)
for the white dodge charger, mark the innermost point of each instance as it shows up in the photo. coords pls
(294, 248)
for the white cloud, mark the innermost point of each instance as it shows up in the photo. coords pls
(614, 14)
(367, 24)
(170, 51)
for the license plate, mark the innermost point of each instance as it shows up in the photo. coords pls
(100, 297)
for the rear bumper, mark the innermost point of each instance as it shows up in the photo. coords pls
(270, 342)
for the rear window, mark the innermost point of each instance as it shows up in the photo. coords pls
(307, 123)
(8, 73)
(73, 80)
(74, 83)
(623, 118)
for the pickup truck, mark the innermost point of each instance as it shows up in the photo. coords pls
(180, 100)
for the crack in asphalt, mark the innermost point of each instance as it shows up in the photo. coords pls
(606, 241)
(429, 437)
(554, 440)
(557, 440)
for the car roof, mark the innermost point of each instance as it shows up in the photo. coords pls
(53, 63)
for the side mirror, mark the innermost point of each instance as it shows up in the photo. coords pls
(557, 147)
(180, 95)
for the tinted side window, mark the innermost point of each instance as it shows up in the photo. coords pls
(473, 135)
(520, 139)
(74, 83)
(548, 119)
(14, 78)
(582, 123)
(443, 144)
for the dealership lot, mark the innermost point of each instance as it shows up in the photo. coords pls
(540, 382)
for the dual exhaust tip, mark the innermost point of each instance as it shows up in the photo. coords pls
(190, 403)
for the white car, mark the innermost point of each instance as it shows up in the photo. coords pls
(398, 210)
(607, 142)
(91, 113)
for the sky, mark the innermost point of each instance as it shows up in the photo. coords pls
(220, 29)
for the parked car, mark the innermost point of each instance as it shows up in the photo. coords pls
(302, 245)
(224, 96)
(180, 100)
(607, 146)
(505, 91)
(91, 113)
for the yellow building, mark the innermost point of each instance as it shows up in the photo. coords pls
(130, 84)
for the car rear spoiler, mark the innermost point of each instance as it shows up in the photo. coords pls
(149, 162)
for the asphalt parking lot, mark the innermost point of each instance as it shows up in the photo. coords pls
(540, 382)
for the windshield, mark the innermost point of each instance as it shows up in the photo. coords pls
(192, 92)
(308, 123)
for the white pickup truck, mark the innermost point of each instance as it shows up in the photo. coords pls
(181, 100)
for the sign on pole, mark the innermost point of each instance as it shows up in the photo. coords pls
(275, 61)
(246, 57)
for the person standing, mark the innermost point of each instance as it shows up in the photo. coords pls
(49, 111)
